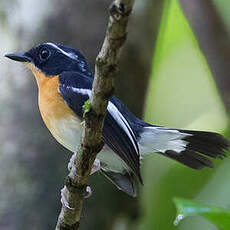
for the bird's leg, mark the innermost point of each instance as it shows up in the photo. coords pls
(71, 166)
(96, 165)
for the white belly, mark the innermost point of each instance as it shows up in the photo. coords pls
(68, 133)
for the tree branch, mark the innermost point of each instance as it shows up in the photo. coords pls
(76, 183)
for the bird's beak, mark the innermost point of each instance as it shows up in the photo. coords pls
(21, 57)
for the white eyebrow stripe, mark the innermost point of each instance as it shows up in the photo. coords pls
(116, 114)
(70, 55)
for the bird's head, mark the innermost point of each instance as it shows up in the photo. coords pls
(51, 59)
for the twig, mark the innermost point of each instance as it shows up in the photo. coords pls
(76, 184)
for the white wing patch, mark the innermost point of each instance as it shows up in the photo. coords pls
(123, 123)
(115, 114)
(161, 139)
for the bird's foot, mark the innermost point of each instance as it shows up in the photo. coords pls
(64, 200)
(71, 165)
(88, 192)
(71, 161)
(96, 166)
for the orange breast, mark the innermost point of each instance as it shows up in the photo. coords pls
(63, 123)
(58, 117)
(51, 103)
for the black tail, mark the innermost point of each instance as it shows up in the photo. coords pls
(200, 147)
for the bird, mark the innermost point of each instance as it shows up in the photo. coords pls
(64, 81)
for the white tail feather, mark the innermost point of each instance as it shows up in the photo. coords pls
(161, 139)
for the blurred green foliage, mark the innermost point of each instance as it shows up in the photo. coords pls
(181, 94)
(181, 78)
(223, 7)
(218, 216)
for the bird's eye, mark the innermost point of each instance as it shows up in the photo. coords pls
(44, 54)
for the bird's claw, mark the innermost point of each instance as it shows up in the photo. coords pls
(71, 161)
(72, 167)
(96, 166)
(88, 192)
(64, 200)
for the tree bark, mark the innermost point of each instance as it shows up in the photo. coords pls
(76, 183)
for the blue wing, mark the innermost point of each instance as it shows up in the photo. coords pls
(118, 133)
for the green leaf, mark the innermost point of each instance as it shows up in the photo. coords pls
(86, 107)
(182, 92)
(217, 215)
